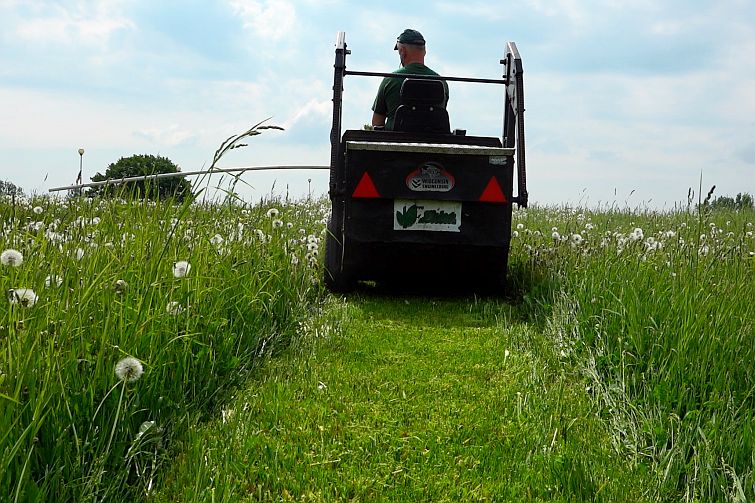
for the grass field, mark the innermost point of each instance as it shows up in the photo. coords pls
(137, 343)
(125, 323)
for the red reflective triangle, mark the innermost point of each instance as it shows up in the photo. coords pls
(365, 187)
(493, 192)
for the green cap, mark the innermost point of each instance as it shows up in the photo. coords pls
(410, 37)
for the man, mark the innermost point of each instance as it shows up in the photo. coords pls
(411, 51)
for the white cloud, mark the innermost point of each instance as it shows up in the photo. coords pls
(494, 12)
(86, 23)
(313, 108)
(170, 136)
(570, 9)
(269, 19)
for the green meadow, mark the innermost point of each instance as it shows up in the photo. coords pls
(189, 352)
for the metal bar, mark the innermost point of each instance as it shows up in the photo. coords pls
(115, 181)
(426, 77)
(339, 67)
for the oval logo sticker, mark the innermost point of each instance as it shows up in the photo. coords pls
(430, 177)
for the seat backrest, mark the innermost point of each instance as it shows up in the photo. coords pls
(422, 108)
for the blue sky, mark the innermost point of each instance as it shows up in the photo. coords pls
(627, 101)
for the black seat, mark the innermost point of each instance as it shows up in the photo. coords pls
(422, 108)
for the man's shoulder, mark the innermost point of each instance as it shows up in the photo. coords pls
(415, 68)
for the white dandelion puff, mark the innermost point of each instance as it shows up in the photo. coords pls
(129, 369)
(38, 210)
(24, 296)
(520, 226)
(181, 268)
(120, 286)
(515, 234)
(53, 279)
(174, 308)
(272, 213)
(556, 236)
(636, 234)
(277, 224)
(217, 240)
(11, 257)
(576, 240)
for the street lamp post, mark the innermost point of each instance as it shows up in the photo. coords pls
(81, 165)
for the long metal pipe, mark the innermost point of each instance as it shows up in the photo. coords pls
(426, 77)
(115, 181)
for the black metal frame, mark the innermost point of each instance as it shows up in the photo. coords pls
(513, 114)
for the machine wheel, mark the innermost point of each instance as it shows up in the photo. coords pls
(337, 277)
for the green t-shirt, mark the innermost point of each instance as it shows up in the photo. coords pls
(389, 93)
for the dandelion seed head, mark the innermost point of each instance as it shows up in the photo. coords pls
(515, 234)
(53, 279)
(637, 234)
(277, 224)
(120, 286)
(216, 240)
(129, 369)
(23, 296)
(181, 268)
(38, 210)
(273, 213)
(520, 226)
(174, 308)
(11, 257)
(555, 235)
(576, 239)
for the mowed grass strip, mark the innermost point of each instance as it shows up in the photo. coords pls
(412, 399)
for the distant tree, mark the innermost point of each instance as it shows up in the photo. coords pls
(142, 165)
(10, 189)
(741, 202)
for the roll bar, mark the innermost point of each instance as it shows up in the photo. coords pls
(513, 113)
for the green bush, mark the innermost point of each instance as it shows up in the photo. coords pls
(143, 165)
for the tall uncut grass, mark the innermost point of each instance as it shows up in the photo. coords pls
(659, 311)
(126, 322)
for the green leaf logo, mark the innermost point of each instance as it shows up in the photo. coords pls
(407, 217)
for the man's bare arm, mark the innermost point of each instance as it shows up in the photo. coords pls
(378, 119)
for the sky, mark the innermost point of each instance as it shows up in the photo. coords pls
(628, 102)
